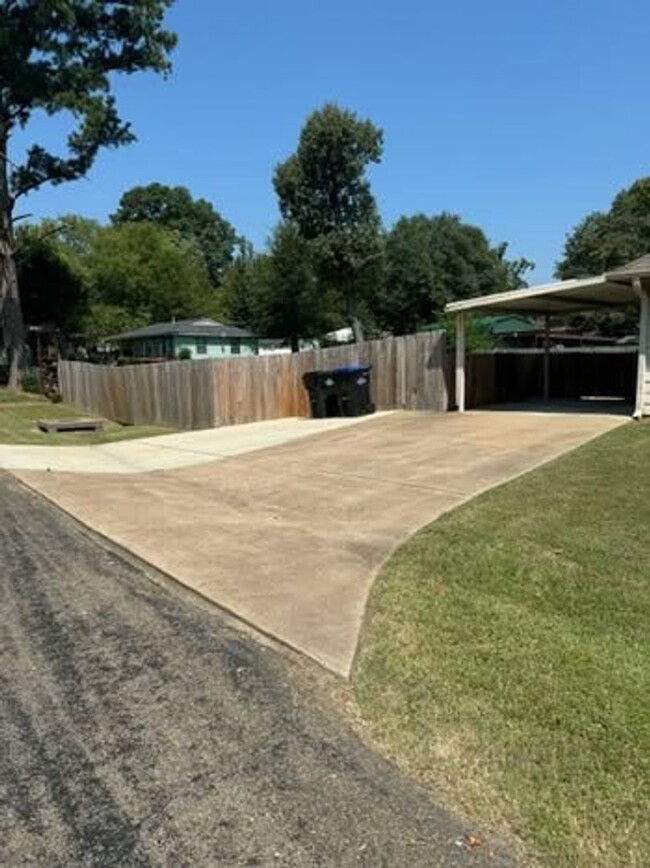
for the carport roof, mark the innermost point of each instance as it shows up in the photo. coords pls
(614, 289)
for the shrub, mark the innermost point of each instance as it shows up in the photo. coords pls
(184, 353)
(30, 382)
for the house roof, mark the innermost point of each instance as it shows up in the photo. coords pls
(200, 327)
(512, 324)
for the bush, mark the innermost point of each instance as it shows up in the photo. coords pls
(184, 354)
(30, 383)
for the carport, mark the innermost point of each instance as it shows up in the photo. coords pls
(610, 291)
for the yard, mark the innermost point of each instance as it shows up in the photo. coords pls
(505, 659)
(20, 412)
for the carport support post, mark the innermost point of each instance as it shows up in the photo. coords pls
(460, 361)
(643, 291)
(547, 358)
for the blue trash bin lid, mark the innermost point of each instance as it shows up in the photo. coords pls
(351, 369)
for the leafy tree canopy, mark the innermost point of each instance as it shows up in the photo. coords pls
(71, 236)
(194, 219)
(149, 273)
(241, 286)
(278, 293)
(323, 190)
(98, 280)
(606, 240)
(290, 302)
(58, 56)
(54, 291)
(431, 261)
(102, 320)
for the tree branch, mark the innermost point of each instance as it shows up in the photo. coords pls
(54, 231)
(27, 188)
(5, 156)
(43, 235)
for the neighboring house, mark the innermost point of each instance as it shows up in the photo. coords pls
(279, 347)
(204, 338)
(514, 330)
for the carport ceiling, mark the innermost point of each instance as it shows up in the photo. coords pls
(618, 288)
(567, 296)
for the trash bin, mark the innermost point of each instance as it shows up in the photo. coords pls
(339, 392)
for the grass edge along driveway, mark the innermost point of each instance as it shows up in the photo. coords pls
(20, 412)
(505, 658)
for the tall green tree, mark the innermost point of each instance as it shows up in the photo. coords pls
(431, 261)
(606, 240)
(149, 273)
(70, 236)
(58, 56)
(278, 293)
(195, 219)
(323, 189)
(55, 275)
(54, 290)
(242, 285)
(290, 302)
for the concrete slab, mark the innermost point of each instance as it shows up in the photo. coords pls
(169, 450)
(290, 538)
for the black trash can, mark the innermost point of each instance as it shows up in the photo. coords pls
(339, 392)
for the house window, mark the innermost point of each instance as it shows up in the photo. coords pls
(235, 346)
(201, 346)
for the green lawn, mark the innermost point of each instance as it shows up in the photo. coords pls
(20, 412)
(10, 396)
(506, 657)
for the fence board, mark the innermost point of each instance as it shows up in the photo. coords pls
(502, 376)
(407, 372)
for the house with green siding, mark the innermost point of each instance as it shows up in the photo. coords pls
(204, 338)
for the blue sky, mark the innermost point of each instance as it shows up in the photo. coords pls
(522, 117)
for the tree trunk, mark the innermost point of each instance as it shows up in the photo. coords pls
(11, 317)
(353, 315)
(13, 331)
(357, 330)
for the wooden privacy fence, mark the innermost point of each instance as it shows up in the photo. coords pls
(501, 376)
(407, 372)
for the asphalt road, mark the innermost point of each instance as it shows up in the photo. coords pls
(138, 728)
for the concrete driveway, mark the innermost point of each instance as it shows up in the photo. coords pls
(167, 451)
(290, 538)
